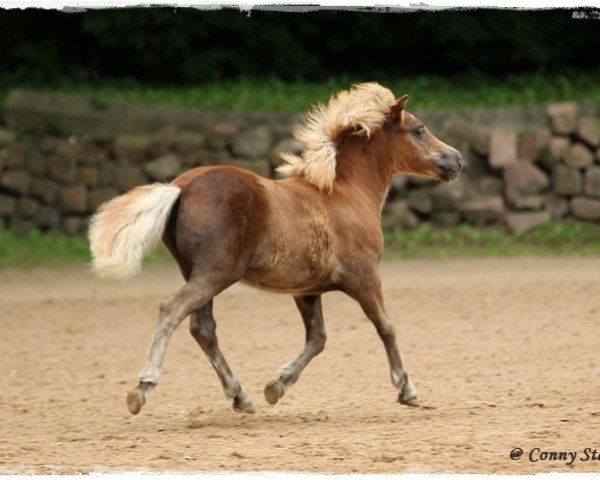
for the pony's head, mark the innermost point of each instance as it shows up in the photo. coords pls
(415, 150)
(368, 110)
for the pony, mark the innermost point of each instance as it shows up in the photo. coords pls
(314, 231)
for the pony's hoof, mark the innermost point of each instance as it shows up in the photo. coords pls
(135, 401)
(408, 396)
(273, 391)
(411, 402)
(242, 406)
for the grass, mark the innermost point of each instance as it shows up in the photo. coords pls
(467, 241)
(55, 249)
(51, 250)
(427, 92)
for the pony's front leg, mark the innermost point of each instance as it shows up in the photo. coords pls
(203, 329)
(371, 301)
(312, 316)
(172, 312)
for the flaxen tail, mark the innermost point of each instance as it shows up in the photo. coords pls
(126, 227)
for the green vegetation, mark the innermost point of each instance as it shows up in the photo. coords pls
(188, 46)
(51, 249)
(37, 248)
(427, 92)
(467, 241)
(55, 249)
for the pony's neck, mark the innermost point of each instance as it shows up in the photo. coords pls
(364, 167)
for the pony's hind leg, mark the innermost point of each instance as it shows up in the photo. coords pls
(312, 316)
(203, 329)
(192, 296)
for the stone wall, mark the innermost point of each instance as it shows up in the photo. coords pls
(61, 156)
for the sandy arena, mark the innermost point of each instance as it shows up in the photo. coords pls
(505, 354)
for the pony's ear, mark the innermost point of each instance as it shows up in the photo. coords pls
(397, 111)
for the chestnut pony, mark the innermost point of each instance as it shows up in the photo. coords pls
(316, 231)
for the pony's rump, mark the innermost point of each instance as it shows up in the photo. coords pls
(126, 227)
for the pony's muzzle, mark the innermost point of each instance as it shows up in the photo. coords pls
(449, 163)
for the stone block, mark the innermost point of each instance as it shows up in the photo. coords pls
(8, 205)
(397, 213)
(35, 163)
(585, 208)
(563, 117)
(89, 176)
(554, 152)
(225, 129)
(557, 207)
(62, 169)
(519, 223)
(107, 174)
(483, 211)
(133, 148)
(163, 168)
(526, 146)
(447, 196)
(27, 207)
(445, 218)
(486, 185)
(566, 181)
(127, 177)
(531, 144)
(188, 143)
(476, 137)
(46, 217)
(420, 200)
(49, 145)
(67, 148)
(16, 181)
(214, 158)
(260, 166)
(44, 190)
(592, 182)
(12, 156)
(578, 156)
(523, 179)
(73, 225)
(503, 148)
(21, 227)
(588, 130)
(98, 196)
(73, 199)
(92, 154)
(416, 181)
(252, 143)
(527, 202)
(399, 184)
(216, 143)
(6, 137)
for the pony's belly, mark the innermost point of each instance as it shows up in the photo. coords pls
(284, 289)
(296, 281)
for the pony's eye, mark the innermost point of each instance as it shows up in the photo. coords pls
(420, 131)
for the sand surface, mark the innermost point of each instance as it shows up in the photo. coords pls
(505, 354)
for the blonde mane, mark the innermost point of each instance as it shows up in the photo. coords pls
(363, 109)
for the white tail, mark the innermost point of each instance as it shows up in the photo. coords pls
(126, 227)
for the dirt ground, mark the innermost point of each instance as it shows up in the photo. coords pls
(505, 354)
